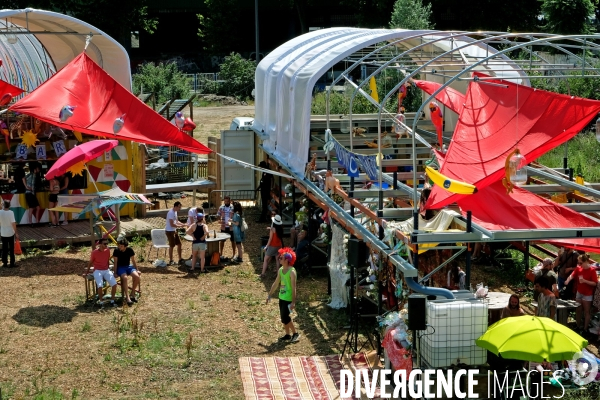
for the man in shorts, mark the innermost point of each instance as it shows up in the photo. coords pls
(99, 259)
(171, 231)
(225, 214)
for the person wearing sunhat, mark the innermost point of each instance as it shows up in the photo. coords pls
(274, 243)
(286, 282)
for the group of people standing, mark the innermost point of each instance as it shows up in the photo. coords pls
(569, 276)
(31, 183)
(231, 219)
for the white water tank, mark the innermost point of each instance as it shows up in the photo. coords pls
(455, 325)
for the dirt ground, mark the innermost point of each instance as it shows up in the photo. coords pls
(182, 339)
(210, 121)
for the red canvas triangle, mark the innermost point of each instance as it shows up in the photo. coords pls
(500, 117)
(99, 100)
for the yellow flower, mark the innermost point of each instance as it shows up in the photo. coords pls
(29, 138)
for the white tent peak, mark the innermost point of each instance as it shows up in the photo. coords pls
(63, 38)
(285, 78)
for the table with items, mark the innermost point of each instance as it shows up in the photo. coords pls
(212, 243)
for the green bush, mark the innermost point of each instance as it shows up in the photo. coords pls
(236, 78)
(164, 80)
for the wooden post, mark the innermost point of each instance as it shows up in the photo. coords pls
(118, 215)
(93, 235)
(138, 181)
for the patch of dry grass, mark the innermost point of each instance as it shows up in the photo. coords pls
(181, 340)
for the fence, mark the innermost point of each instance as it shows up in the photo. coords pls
(197, 79)
(180, 167)
(215, 198)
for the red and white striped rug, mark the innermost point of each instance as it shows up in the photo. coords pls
(296, 378)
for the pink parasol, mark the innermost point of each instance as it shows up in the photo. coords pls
(80, 154)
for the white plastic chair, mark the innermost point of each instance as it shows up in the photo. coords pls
(159, 241)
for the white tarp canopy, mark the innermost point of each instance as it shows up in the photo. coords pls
(286, 77)
(63, 38)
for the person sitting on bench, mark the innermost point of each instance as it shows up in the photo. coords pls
(99, 259)
(122, 257)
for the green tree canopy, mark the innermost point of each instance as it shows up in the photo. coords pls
(411, 14)
(114, 17)
(164, 80)
(568, 16)
(237, 75)
(219, 25)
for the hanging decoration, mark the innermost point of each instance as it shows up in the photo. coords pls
(515, 172)
(29, 138)
(402, 93)
(77, 169)
(6, 133)
(78, 136)
(438, 121)
(38, 126)
(448, 184)
(399, 124)
(350, 160)
(5, 99)
(179, 120)
(373, 88)
(118, 124)
(188, 125)
(66, 112)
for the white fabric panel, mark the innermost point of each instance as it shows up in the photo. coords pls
(103, 49)
(286, 77)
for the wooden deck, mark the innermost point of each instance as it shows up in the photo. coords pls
(79, 231)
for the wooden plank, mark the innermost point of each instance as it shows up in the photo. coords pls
(78, 231)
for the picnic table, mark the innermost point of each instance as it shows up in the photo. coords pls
(212, 243)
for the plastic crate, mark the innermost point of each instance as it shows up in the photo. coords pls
(438, 357)
(456, 323)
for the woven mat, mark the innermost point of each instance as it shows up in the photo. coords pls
(296, 378)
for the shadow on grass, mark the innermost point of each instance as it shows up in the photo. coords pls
(44, 316)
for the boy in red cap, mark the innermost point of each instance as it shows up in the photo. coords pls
(286, 281)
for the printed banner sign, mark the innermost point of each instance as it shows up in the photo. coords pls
(40, 151)
(109, 171)
(349, 161)
(59, 148)
(21, 151)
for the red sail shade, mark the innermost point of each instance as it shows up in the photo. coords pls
(498, 118)
(99, 100)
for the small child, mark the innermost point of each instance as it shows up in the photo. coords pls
(286, 281)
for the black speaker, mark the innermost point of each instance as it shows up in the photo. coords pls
(357, 253)
(416, 312)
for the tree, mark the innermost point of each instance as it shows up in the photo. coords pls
(238, 76)
(568, 16)
(164, 80)
(369, 13)
(411, 14)
(219, 26)
(116, 18)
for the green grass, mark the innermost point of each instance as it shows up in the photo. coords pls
(583, 156)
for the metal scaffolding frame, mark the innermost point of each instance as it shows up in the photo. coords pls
(415, 55)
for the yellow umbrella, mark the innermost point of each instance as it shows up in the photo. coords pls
(530, 338)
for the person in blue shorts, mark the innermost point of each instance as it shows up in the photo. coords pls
(124, 261)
